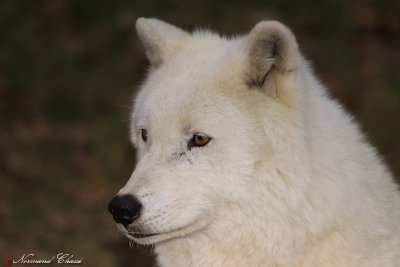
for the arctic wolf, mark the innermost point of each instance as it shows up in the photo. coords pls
(244, 160)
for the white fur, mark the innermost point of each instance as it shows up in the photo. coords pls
(287, 179)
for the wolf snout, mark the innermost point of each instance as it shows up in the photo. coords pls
(125, 209)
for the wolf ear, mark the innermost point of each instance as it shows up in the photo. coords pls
(272, 49)
(159, 39)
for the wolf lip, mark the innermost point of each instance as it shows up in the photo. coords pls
(141, 235)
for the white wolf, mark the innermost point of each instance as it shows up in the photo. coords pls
(243, 159)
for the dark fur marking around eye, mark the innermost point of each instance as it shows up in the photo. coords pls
(198, 140)
(143, 133)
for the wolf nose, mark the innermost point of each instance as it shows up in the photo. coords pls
(125, 209)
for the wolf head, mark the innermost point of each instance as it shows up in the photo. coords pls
(212, 125)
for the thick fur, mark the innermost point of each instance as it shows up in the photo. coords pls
(287, 179)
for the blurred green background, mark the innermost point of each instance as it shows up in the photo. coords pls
(68, 72)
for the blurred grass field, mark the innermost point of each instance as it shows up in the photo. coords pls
(68, 71)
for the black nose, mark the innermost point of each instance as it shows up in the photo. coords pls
(125, 209)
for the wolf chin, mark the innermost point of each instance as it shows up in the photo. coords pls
(244, 160)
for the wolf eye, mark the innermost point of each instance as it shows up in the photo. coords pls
(144, 134)
(199, 140)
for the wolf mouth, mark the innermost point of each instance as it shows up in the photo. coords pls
(151, 238)
(137, 235)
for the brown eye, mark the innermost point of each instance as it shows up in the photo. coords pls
(144, 134)
(199, 140)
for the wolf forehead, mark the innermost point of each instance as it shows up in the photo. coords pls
(205, 68)
(191, 72)
(202, 64)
